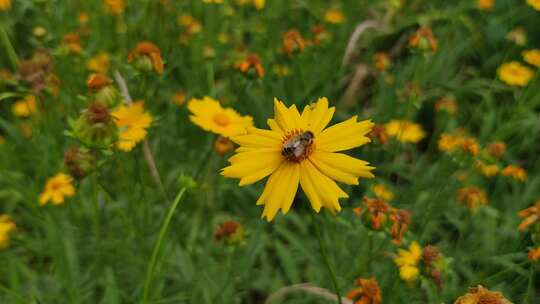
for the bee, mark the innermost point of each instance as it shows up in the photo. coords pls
(295, 147)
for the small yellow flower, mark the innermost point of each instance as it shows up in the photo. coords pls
(534, 4)
(516, 172)
(211, 116)
(25, 107)
(382, 192)
(5, 5)
(532, 57)
(99, 63)
(405, 131)
(39, 31)
(56, 189)
(515, 74)
(334, 16)
(7, 226)
(259, 4)
(299, 150)
(485, 5)
(407, 261)
(132, 122)
(487, 170)
(114, 7)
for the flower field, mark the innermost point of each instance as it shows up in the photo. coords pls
(252, 151)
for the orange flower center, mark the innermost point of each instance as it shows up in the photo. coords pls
(56, 186)
(221, 119)
(297, 145)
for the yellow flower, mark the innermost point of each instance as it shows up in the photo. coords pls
(99, 63)
(407, 261)
(515, 74)
(25, 107)
(487, 170)
(210, 116)
(451, 142)
(485, 5)
(481, 295)
(132, 122)
(405, 131)
(516, 172)
(259, 4)
(299, 150)
(7, 226)
(534, 4)
(382, 192)
(334, 16)
(5, 5)
(56, 189)
(213, 1)
(532, 57)
(114, 7)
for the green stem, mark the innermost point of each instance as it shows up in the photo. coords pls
(12, 55)
(157, 246)
(327, 261)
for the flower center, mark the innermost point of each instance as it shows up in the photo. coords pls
(221, 119)
(297, 145)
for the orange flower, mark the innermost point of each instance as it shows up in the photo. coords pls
(320, 34)
(534, 254)
(424, 40)
(382, 60)
(251, 62)
(379, 132)
(98, 81)
(530, 216)
(293, 41)
(497, 148)
(378, 210)
(368, 292)
(73, 43)
(447, 104)
(230, 231)
(401, 220)
(147, 56)
(516, 172)
(223, 145)
(481, 295)
(472, 196)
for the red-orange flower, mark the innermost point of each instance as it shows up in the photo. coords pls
(472, 196)
(516, 172)
(378, 209)
(401, 220)
(534, 254)
(530, 216)
(251, 63)
(368, 292)
(148, 55)
(292, 42)
(424, 40)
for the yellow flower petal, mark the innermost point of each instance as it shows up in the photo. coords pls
(344, 136)
(280, 190)
(341, 167)
(318, 115)
(252, 166)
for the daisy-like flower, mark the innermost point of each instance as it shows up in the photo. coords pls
(147, 56)
(7, 226)
(405, 131)
(293, 42)
(56, 189)
(334, 16)
(407, 261)
(114, 7)
(534, 4)
(367, 292)
(487, 170)
(516, 172)
(99, 63)
(299, 150)
(25, 107)
(482, 295)
(382, 192)
(132, 122)
(515, 74)
(530, 216)
(451, 142)
(211, 116)
(532, 57)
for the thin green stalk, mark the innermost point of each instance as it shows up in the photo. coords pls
(157, 246)
(12, 55)
(326, 261)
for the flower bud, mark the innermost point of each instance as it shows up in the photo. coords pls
(95, 126)
(79, 162)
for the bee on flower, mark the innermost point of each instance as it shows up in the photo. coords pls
(472, 196)
(293, 42)
(57, 189)
(405, 131)
(367, 292)
(25, 107)
(208, 114)
(132, 122)
(251, 66)
(518, 173)
(515, 74)
(423, 40)
(299, 149)
(147, 57)
(7, 227)
(482, 295)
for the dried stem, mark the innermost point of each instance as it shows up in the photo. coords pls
(306, 288)
(146, 148)
(358, 31)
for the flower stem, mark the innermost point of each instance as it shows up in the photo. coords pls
(157, 246)
(326, 261)
(11, 54)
